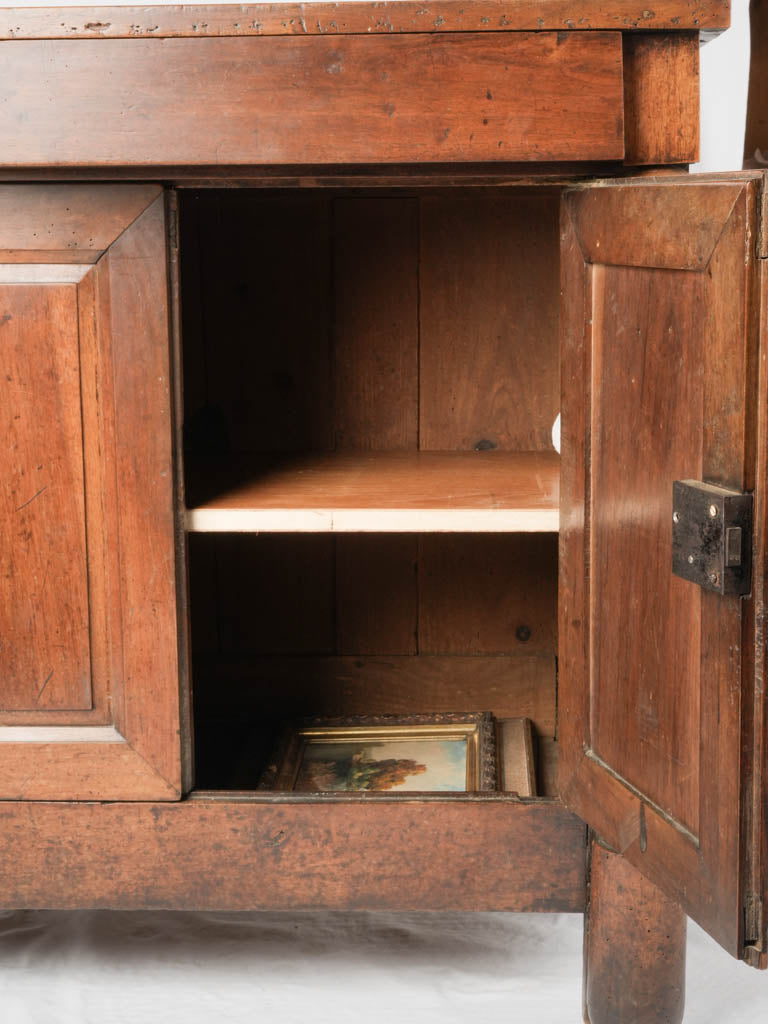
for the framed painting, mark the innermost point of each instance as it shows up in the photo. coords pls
(442, 753)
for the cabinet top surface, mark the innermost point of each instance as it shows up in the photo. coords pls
(350, 18)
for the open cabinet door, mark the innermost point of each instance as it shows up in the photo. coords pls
(660, 680)
(89, 664)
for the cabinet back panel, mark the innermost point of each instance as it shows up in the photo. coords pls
(385, 322)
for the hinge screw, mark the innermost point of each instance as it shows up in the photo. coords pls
(714, 579)
(713, 511)
(675, 517)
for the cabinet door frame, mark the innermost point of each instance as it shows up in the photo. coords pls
(701, 226)
(127, 739)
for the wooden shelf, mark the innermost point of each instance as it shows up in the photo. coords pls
(389, 492)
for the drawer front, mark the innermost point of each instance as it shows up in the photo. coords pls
(544, 96)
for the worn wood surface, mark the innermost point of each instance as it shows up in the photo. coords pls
(101, 411)
(650, 715)
(312, 99)
(517, 767)
(661, 98)
(363, 18)
(634, 947)
(479, 854)
(365, 491)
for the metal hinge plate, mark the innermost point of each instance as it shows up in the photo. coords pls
(712, 536)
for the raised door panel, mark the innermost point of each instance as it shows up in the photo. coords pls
(660, 348)
(89, 672)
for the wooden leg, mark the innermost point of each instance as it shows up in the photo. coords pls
(634, 947)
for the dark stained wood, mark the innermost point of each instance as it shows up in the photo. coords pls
(110, 417)
(265, 275)
(659, 779)
(510, 687)
(364, 18)
(375, 323)
(755, 705)
(45, 655)
(489, 343)
(634, 949)
(376, 594)
(265, 854)
(661, 98)
(312, 99)
(483, 594)
(756, 134)
(275, 593)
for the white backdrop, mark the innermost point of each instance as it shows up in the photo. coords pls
(109, 968)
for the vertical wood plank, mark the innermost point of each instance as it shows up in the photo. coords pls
(376, 594)
(266, 278)
(44, 625)
(276, 593)
(375, 290)
(661, 97)
(489, 364)
(487, 594)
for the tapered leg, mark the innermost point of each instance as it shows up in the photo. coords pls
(634, 947)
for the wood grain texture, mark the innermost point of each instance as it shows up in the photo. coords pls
(376, 323)
(357, 18)
(510, 687)
(371, 486)
(661, 98)
(687, 242)
(115, 421)
(634, 947)
(45, 654)
(636, 799)
(756, 134)
(59, 224)
(489, 300)
(755, 706)
(338, 855)
(487, 594)
(312, 99)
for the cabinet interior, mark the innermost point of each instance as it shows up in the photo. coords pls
(353, 359)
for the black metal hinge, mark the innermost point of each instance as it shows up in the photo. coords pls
(712, 536)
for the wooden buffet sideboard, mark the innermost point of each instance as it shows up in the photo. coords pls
(290, 296)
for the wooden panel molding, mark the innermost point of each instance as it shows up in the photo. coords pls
(650, 705)
(90, 702)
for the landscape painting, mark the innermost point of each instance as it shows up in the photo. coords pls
(409, 764)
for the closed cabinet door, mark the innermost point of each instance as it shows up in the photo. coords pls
(89, 664)
(662, 686)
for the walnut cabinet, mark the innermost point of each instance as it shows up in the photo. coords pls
(288, 306)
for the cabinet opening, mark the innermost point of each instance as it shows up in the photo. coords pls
(370, 382)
